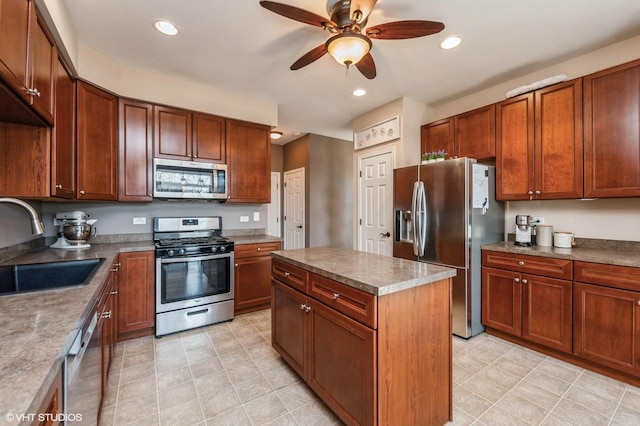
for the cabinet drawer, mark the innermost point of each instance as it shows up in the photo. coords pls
(623, 277)
(289, 274)
(258, 249)
(352, 302)
(545, 266)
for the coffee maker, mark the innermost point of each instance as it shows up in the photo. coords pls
(523, 230)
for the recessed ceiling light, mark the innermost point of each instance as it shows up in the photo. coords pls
(165, 27)
(359, 92)
(451, 42)
(276, 135)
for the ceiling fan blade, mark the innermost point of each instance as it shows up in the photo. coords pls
(298, 14)
(309, 57)
(367, 67)
(404, 29)
(364, 6)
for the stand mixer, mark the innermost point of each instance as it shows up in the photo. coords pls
(75, 230)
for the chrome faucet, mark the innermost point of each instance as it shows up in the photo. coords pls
(36, 224)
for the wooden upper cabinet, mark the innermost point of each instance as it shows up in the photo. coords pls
(612, 132)
(209, 142)
(249, 162)
(135, 150)
(14, 38)
(437, 136)
(43, 59)
(539, 144)
(96, 129)
(514, 148)
(172, 133)
(28, 55)
(63, 140)
(475, 133)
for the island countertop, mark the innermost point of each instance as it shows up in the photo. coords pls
(372, 273)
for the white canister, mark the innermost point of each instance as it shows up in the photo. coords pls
(562, 239)
(544, 235)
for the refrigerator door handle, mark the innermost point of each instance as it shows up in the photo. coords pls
(422, 220)
(415, 219)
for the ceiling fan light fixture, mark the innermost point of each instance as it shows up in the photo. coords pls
(276, 135)
(348, 48)
(359, 92)
(165, 27)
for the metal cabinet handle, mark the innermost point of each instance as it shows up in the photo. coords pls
(286, 274)
(236, 265)
(335, 296)
(113, 292)
(307, 308)
(516, 280)
(114, 269)
(537, 192)
(302, 306)
(521, 263)
(529, 192)
(638, 302)
(524, 281)
(106, 315)
(58, 186)
(81, 192)
(259, 248)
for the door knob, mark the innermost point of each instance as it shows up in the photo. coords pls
(388, 234)
(299, 226)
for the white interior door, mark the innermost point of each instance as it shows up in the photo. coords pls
(294, 209)
(273, 209)
(375, 207)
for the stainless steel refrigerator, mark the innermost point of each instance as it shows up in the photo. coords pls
(443, 213)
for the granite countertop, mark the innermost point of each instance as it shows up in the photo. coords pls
(372, 273)
(37, 329)
(596, 255)
(253, 239)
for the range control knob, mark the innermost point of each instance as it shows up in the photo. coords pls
(181, 252)
(170, 252)
(214, 249)
(223, 248)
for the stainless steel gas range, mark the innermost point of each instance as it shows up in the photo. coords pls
(194, 273)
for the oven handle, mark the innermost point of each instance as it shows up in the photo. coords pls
(195, 258)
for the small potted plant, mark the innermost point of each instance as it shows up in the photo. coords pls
(440, 155)
(425, 157)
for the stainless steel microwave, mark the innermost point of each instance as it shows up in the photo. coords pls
(189, 180)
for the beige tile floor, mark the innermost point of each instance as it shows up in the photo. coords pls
(228, 374)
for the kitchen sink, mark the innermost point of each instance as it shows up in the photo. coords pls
(31, 277)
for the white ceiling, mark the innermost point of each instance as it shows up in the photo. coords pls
(246, 49)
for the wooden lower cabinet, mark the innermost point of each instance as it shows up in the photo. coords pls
(50, 411)
(136, 295)
(252, 276)
(534, 307)
(368, 375)
(607, 315)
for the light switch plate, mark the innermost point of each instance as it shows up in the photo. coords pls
(139, 220)
(244, 218)
(256, 216)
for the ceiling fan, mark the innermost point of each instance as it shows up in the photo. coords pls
(348, 45)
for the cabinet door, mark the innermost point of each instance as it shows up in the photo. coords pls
(96, 121)
(252, 287)
(612, 132)
(63, 141)
(606, 325)
(42, 64)
(546, 311)
(249, 162)
(136, 294)
(502, 300)
(135, 151)
(209, 143)
(172, 133)
(345, 378)
(14, 36)
(436, 136)
(475, 133)
(514, 148)
(289, 325)
(558, 141)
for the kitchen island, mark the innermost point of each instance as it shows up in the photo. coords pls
(370, 334)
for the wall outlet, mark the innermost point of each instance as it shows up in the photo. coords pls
(244, 218)
(537, 220)
(139, 220)
(256, 216)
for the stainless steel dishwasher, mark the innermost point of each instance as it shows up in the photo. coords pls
(83, 374)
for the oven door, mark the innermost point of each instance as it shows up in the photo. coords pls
(186, 282)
